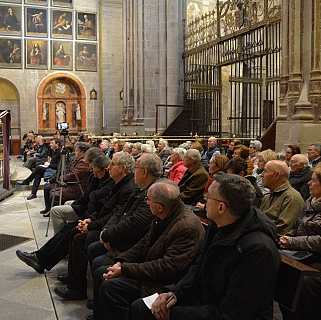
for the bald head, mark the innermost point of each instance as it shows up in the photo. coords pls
(275, 173)
(298, 162)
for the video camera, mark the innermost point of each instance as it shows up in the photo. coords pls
(62, 125)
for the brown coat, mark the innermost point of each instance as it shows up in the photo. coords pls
(171, 253)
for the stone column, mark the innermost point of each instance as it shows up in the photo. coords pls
(300, 102)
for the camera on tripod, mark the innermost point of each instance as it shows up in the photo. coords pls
(63, 126)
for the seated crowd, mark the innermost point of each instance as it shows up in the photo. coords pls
(133, 212)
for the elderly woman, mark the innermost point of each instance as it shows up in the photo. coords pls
(178, 169)
(263, 157)
(255, 147)
(136, 150)
(217, 163)
(306, 236)
(162, 150)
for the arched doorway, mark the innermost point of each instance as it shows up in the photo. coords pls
(61, 98)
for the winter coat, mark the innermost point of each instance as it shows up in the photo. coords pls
(235, 275)
(176, 172)
(166, 252)
(299, 181)
(193, 183)
(307, 233)
(42, 154)
(283, 206)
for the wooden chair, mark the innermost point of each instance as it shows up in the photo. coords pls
(290, 280)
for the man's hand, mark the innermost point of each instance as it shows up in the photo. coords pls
(83, 225)
(113, 272)
(160, 309)
(283, 242)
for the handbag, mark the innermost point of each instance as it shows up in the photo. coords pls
(49, 173)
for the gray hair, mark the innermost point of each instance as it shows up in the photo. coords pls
(82, 146)
(237, 192)
(180, 152)
(166, 193)
(317, 146)
(185, 145)
(153, 164)
(138, 145)
(193, 154)
(129, 145)
(165, 142)
(147, 148)
(256, 144)
(101, 162)
(125, 159)
(105, 143)
(92, 153)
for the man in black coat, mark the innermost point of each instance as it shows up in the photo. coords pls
(236, 273)
(124, 229)
(56, 248)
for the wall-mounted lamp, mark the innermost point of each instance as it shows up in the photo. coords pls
(93, 94)
(121, 95)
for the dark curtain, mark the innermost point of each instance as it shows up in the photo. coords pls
(6, 118)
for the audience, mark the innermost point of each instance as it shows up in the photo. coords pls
(237, 271)
(39, 155)
(104, 147)
(283, 204)
(162, 150)
(291, 150)
(300, 174)
(263, 158)
(314, 154)
(241, 151)
(194, 180)
(136, 150)
(211, 150)
(177, 170)
(230, 150)
(160, 258)
(306, 235)
(254, 148)
(39, 171)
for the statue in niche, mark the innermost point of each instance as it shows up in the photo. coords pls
(45, 111)
(78, 112)
(60, 112)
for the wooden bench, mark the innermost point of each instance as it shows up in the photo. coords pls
(290, 280)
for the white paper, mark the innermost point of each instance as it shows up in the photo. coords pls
(150, 300)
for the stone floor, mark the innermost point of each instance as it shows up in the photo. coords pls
(24, 293)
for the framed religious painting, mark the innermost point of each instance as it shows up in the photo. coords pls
(10, 53)
(86, 56)
(36, 54)
(36, 22)
(37, 2)
(10, 20)
(61, 24)
(61, 55)
(62, 3)
(86, 25)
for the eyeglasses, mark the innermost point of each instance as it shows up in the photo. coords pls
(146, 200)
(96, 172)
(206, 196)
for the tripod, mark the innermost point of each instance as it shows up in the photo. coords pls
(61, 173)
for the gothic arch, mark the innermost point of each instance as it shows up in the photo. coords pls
(61, 90)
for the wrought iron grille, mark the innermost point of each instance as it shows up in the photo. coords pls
(232, 68)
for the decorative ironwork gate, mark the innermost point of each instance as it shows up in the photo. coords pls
(232, 64)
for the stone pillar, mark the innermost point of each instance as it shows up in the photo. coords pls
(153, 66)
(300, 102)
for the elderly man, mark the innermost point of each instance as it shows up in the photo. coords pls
(104, 147)
(120, 170)
(162, 257)
(239, 258)
(124, 229)
(314, 154)
(194, 180)
(300, 174)
(283, 204)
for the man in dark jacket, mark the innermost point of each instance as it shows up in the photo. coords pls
(236, 273)
(124, 229)
(39, 171)
(162, 257)
(300, 174)
(56, 248)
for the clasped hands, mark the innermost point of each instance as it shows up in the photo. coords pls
(83, 225)
(113, 271)
(107, 245)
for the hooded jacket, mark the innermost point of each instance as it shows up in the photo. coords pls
(235, 275)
